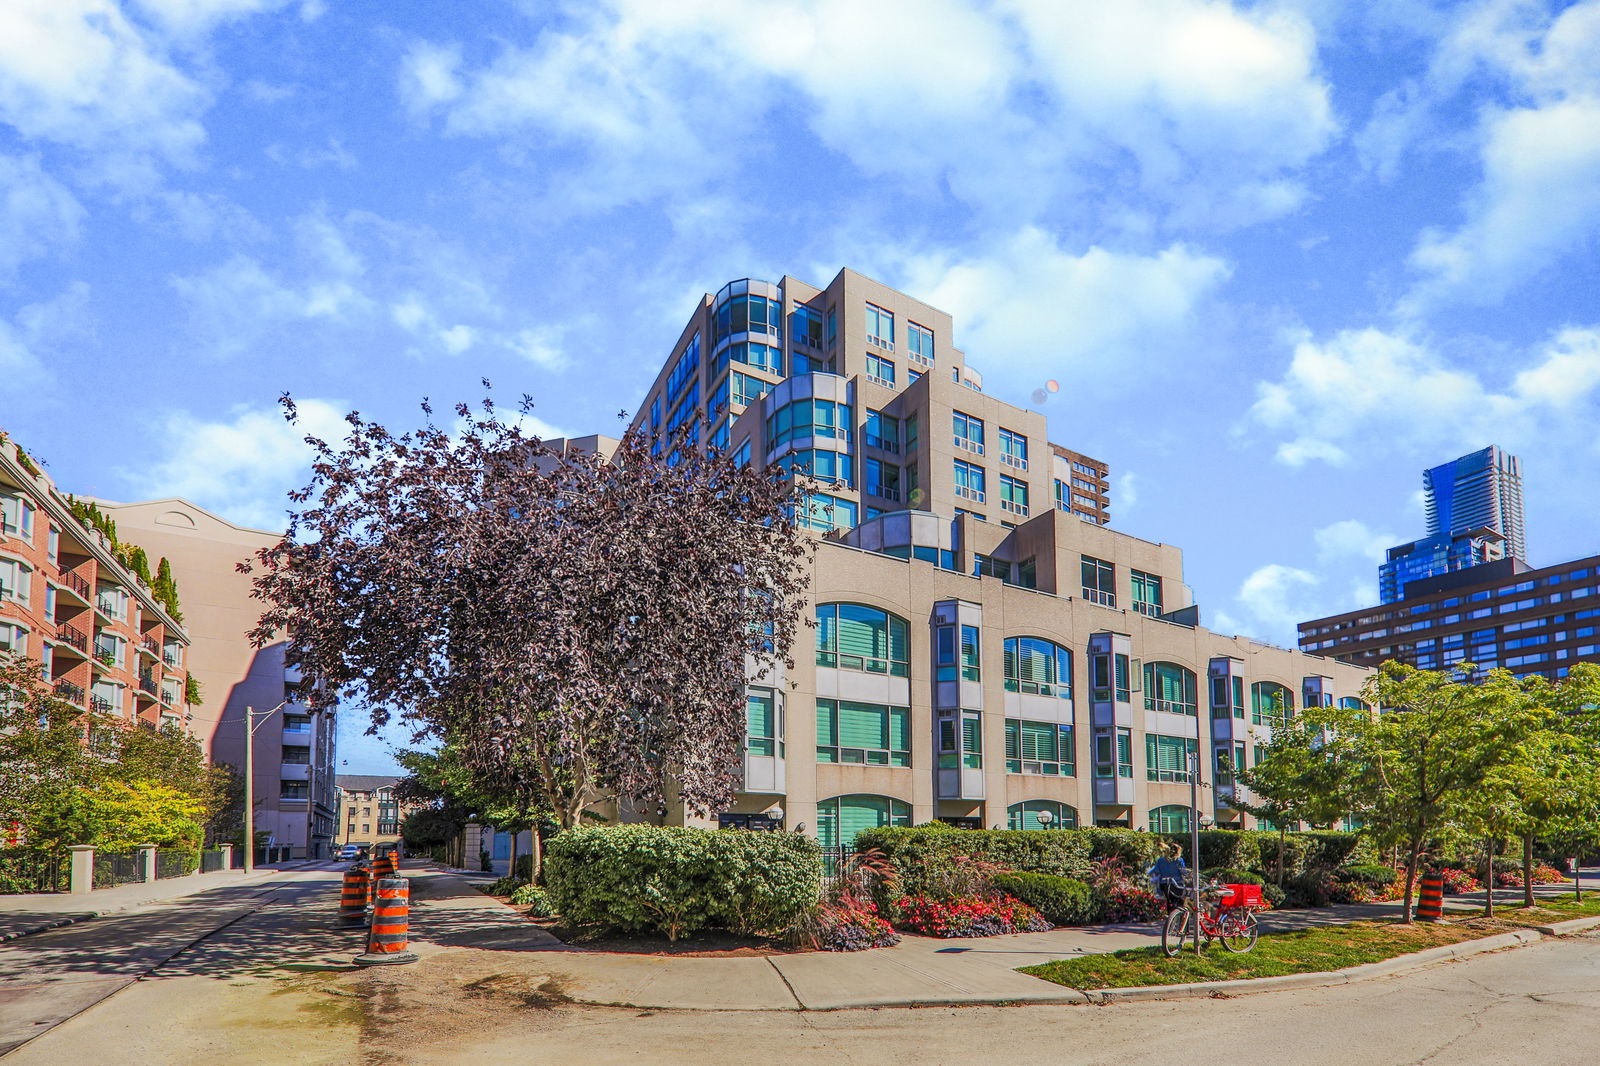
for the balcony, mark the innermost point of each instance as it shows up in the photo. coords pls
(295, 771)
(147, 684)
(172, 658)
(100, 703)
(70, 692)
(885, 492)
(149, 646)
(74, 584)
(72, 637)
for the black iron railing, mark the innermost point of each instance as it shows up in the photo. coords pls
(75, 583)
(175, 862)
(28, 870)
(69, 692)
(117, 868)
(211, 860)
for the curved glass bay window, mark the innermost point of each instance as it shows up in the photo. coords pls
(1270, 703)
(1171, 688)
(833, 468)
(853, 636)
(808, 418)
(1169, 819)
(1038, 667)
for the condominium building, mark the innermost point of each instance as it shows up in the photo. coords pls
(369, 810)
(987, 651)
(1474, 513)
(295, 797)
(81, 604)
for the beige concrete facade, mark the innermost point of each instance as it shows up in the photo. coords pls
(951, 513)
(294, 748)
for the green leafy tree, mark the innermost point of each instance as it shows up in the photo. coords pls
(1297, 779)
(1413, 758)
(122, 815)
(45, 764)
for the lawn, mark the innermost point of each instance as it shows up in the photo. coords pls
(1550, 909)
(1324, 948)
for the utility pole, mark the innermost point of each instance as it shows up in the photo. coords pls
(250, 782)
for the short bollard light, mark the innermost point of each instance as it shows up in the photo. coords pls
(390, 934)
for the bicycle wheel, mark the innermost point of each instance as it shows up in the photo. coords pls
(1173, 932)
(1240, 936)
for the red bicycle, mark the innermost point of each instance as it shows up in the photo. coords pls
(1229, 916)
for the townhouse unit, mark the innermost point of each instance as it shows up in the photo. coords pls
(296, 802)
(369, 810)
(987, 651)
(83, 606)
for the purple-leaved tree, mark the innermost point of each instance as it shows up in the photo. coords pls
(578, 625)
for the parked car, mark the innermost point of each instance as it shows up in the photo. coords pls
(349, 852)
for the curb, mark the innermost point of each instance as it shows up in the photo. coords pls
(78, 917)
(1571, 925)
(1323, 979)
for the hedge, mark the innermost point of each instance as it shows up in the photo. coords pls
(1257, 850)
(676, 880)
(1062, 900)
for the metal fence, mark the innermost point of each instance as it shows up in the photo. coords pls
(117, 868)
(27, 870)
(211, 861)
(175, 862)
(834, 859)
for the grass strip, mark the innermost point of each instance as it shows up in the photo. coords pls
(1316, 950)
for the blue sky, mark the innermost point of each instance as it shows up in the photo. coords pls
(1280, 256)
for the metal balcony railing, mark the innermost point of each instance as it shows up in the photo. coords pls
(70, 634)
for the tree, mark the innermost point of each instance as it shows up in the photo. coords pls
(1296, 779)
(1412, 759)
(123, 815)
(578, 623)
(45, 763)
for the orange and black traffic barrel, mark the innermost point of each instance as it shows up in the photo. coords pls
(390, 934)
(353, 897)
(1430, 898)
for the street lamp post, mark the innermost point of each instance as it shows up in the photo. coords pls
(1194, 839)
(250, 727)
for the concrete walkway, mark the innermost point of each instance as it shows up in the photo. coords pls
(447, 912)
(21, 915)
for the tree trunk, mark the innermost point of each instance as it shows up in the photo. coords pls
(512, 872)
(1283, 834)
(1412, 856)
(1527, 869)
(538, 855)
(1488, 865)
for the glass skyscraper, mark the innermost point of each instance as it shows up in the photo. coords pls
(1474, 513)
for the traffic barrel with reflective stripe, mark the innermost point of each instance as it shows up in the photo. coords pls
(353, 897)
(1430, 898)
(390, 934)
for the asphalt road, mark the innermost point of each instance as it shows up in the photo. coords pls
(50, 977)
(269, 982)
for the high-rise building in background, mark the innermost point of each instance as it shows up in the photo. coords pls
(986, 650)
(295, 798)
(1474, 513)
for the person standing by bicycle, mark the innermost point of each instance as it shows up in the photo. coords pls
(1167, 876)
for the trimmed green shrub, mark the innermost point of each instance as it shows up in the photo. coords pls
(1374, 874)
(1227, 848)
(1062, 900)
(1136, 850)
(677, 880)
(535, 898)
(915, 852)
(1233, 877)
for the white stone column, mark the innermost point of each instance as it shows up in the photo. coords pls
(147, 862)
(82, 882)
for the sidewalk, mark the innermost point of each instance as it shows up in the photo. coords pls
(447, 912)
(21, 915)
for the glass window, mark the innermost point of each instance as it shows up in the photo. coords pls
(1227, 696)
(1039, 667)
(808, 418)
(968, 432)
(971, 656)
(969, 479)
(882, 479)
(805, 327)
(1171, 688)
(761, 723)
(852, 636)
(972, 742)
(1167, 758)
(1270, 703)
(1025, 815)
(880, 326)
(1146, 592)
(824, 513)
(880, 369)
(882, 431)
(1013, 495)
(832, 468)
(1039, 748)
(1099, 581)
(16, 581)
(1124, 752)
(869, 734)
(1013, 448)
(1172, 818)
(919, 339)
(746, 389)
(686, 366)
(840, 818)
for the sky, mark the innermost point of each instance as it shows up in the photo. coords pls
(1279, 256)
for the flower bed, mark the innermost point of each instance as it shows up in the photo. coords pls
(1542, 875)
(852, 926)
(1458, 882)
(968, 917)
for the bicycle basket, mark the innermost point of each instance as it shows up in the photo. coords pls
(1242, 896)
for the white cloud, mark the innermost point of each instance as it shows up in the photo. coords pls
(29, 344)
(37, 213)
(78, 72)
(187, 18)
(1127, 494)
(1538, 198)
(331, 154)
(1352, 539)
(241, 466)
(1029, 310)
(1274, 599)
(1009, 106)
(1365, 387)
